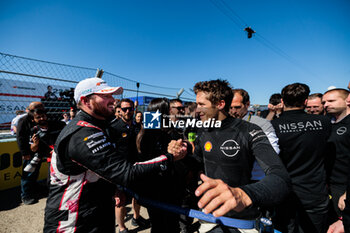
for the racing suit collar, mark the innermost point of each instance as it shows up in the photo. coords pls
(291, 112)
(93, 120)
(227, 122)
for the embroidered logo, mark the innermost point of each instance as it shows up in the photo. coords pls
(87, 124)
(208, 146)
(230, 148)
(341, 130)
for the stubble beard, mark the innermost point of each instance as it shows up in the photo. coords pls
(101, 111)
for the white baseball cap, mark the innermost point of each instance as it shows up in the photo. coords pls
(94, 86)
(332, 88)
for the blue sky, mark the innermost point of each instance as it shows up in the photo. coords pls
(178, 43)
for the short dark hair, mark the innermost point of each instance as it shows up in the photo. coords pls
(314, 96)
(275, 99)
(243, 93)
(294, 95)
(172, 101)
(217, 90)
(191, 106)
(37, 111)
(127, 101)
(342, 92)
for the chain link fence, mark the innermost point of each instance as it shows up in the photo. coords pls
(24, 80)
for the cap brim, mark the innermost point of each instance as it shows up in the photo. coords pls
(111, 90)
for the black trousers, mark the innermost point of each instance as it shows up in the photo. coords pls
(163, 221)
(293, 217)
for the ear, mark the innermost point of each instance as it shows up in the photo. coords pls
(247, 104)
(84, 100)
(305, 102)
(282, 103)
(221, 104)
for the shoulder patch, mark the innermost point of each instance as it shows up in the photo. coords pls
(87, 124)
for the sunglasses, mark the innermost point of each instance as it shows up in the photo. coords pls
(179, 108)
(128, 108)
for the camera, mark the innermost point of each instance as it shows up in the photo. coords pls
(67, 94)
(38, 131)
(36, 159)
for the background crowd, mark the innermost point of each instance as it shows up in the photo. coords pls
(292, 163)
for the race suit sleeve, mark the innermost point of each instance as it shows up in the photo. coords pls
(275, 186)
(92, 149)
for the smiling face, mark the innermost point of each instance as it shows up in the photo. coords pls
(100, 106)
(205, 108)
(314, 106)
(40, 119)
(127, 111)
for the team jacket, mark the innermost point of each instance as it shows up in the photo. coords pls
(228, 154)
(85, 168)
(338, 160)
(303, 143)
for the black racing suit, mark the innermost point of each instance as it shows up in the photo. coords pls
(229, 153)
(85, 168)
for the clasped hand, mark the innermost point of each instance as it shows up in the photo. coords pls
(178, 149)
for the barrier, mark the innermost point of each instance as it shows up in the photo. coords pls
(229, 222)
(11, 165)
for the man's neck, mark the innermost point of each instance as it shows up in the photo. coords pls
(91, 113)
(222, 116)
(127, 122)
(341, 116)
(292, 108)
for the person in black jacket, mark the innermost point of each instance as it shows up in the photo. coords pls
(228, 152)
(338, 160)
(124, 131)
(151, 143)
(85, 165)
(303, 143)
(343, 224)
(28, 179)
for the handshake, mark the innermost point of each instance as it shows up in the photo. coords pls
(179, 148)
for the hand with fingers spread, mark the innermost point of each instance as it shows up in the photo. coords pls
(178, 149)
(219, 198)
